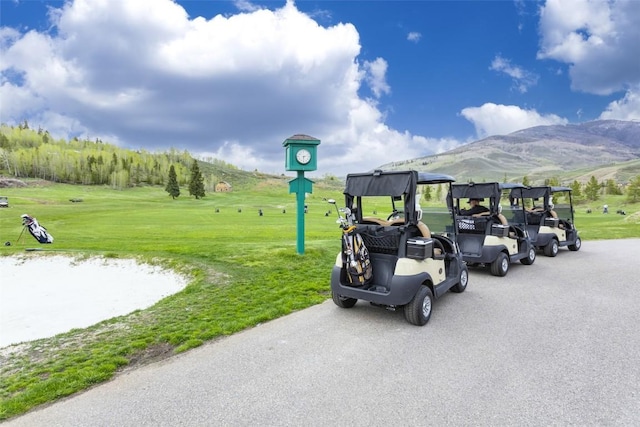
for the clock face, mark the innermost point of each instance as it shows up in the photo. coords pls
(303, 156)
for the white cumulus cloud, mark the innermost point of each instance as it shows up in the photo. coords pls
(376, 76)
(492, 119)
(627, 108)
(599, 40)
(144, 74)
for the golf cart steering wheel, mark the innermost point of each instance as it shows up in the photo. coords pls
(393, 215)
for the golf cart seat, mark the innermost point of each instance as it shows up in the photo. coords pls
(374, 220)
(501, 217)
(424, 230)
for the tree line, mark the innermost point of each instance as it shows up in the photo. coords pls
(30, 153)
(593, 189)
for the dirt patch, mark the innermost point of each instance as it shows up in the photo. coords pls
(6, 182)
(151, 354)
(11, 183)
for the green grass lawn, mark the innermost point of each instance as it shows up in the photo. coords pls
(244, 270)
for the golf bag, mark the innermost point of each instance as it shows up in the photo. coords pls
(355, 258)
(37, 231)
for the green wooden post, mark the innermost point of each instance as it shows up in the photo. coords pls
(300, 156)
(300, 220)
(301, 186)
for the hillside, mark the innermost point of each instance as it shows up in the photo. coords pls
(606, 149)
(33, 155)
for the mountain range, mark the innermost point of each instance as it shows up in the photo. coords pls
(606, 149)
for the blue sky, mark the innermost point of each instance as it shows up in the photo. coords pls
(375, 81)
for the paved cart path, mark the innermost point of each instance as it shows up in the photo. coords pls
(555, 343)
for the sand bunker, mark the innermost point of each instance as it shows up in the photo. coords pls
(44, 296)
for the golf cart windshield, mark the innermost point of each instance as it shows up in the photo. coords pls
(563, 203)
(439, 218)
(512, 209)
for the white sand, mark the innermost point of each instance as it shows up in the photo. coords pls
(44, 296)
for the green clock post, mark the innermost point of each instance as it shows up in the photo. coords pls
(300, 156)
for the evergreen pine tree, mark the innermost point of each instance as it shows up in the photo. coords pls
(172, 186)
(427, 193)
(196, 183)
(611, 187)
(633, 190)
(576, 188)
(592, 188)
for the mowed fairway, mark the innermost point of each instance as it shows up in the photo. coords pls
(147, 221)
(244, 271)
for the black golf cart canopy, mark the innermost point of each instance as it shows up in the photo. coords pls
(476, 190)
(434, 178)
(395, 184)
(379, 183)
(542, 191)
(510, 186)
(390, 183)
(536, 192)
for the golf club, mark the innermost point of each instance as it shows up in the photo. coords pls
(341, 220)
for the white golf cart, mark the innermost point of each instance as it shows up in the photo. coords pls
(411, 264)
(496, 237)
(551, 225)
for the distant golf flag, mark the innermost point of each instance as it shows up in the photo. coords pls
(37, 231)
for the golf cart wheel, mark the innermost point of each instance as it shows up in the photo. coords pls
(531, 256)
(418, 311)
(343, 302)
(464, 279)
(551, 249)
(576, 246)
(500, 266)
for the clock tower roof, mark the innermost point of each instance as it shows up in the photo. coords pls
(301, 139)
